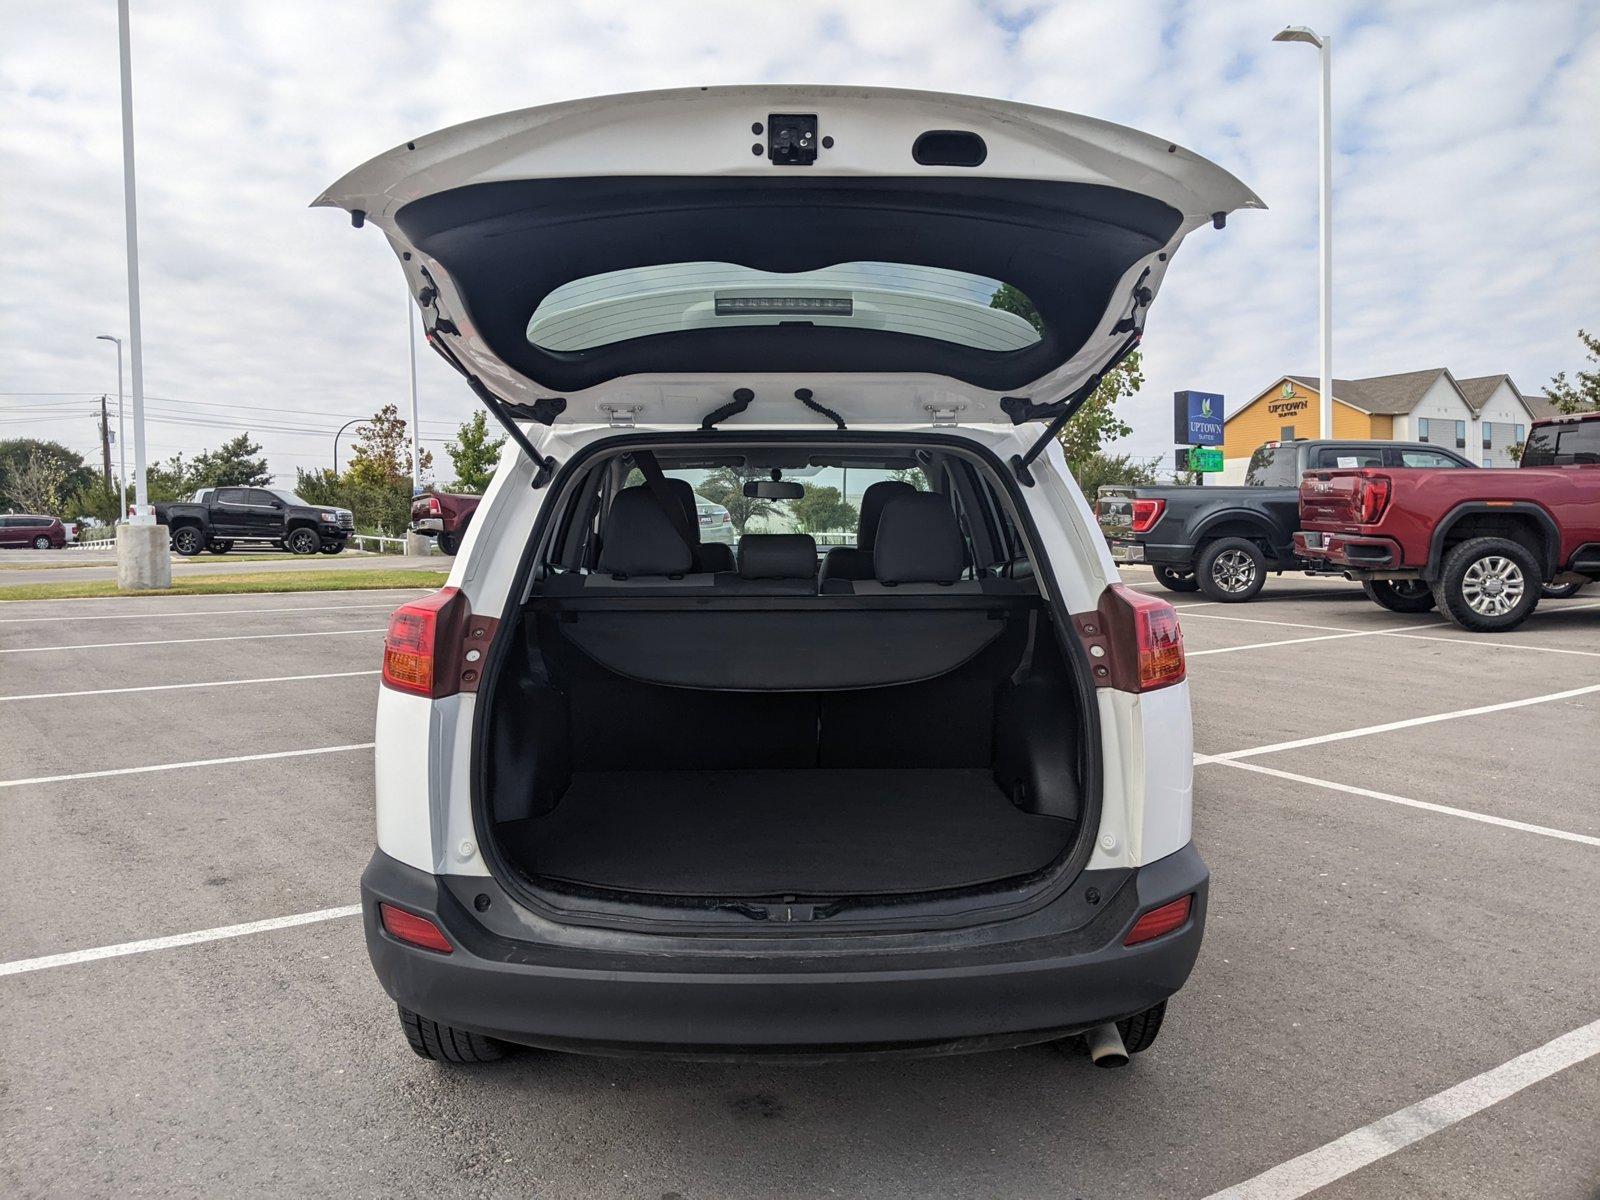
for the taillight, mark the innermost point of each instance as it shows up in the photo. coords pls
(1145, 641)
(1146, 513)
(1373, 498)
(434, 507)
(412, 929)
(1159, 921)
(418, 652)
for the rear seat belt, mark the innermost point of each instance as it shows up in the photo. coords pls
(656, 481)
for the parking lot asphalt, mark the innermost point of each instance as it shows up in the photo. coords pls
(1397, 995)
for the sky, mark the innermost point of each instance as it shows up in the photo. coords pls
(1466, 232)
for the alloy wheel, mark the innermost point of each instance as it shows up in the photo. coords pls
(1233, 571)
(1493, 586)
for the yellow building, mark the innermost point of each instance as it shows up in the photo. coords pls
(1483, 418)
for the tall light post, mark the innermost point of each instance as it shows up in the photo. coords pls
(340, 434)
(1323, 43)
(122, 436)
(143, 514)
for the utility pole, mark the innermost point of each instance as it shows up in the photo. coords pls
(105, 446)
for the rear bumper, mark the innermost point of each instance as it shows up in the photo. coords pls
(1349, 552)
(428, 525)
(1126, 550)
(594, 997)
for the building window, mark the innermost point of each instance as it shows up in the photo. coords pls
(1461, 435)
(1488, 435)
(1422, 429)
(1286, 433)
(1522, 434)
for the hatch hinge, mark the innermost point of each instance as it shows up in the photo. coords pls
(945, 414)
(620, 416)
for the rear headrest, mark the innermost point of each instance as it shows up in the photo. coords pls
(872, 502)
(684, 491)
(918, 541)
(638, 538)
(777, 556)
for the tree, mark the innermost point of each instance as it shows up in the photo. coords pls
(383, 451)
(1009, 299)
(1584, 395)
(1097, 422)
(475, 454)
(725, 486)
(42, 477)
(235, 463)
(823, 509)
(912, 476)
(1098, 470)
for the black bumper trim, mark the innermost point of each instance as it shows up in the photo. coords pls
(979, 995)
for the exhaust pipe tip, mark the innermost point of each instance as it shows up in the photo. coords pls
(1105, 1046)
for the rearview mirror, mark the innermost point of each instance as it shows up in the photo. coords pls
(773, 489)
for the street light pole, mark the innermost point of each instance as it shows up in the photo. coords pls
(1324, 45)
(337, 436)
(122, 436)
(143, 514)
(416, 456)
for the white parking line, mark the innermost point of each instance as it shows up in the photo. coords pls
(201, 612)
(1497, 643)
(174, 687)
(22, 966)
(232, 637)
(1327, 637)
(178, 766)
(1367, 1145)
(1449, 811)
(1407, 723)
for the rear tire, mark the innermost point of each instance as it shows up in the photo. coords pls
(1175, 580)
(1231, 570)
(1562, 591)
(445, 1043)
(1139, 1031)
(448, 543)
(1401, 596)
(303, 541)
(188, 541)
(1488, 585)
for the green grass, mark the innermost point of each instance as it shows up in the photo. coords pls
(219, 585)
(69, 564)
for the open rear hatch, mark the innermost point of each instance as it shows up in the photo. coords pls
(623, 259)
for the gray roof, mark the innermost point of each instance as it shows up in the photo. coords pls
(1392, 394)
(1540, 405)
(1478, 390)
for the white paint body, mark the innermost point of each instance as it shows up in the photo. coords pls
(423, 753)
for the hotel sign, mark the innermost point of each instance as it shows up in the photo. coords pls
(1197, 418)
(1289, 403)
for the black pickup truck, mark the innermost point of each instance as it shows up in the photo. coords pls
(215, 518)
(1222, 541)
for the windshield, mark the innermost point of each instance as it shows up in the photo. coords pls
(288, 497)
(932, 302)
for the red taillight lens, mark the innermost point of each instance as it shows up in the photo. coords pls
(1146, 642)
(420, 633)
(434, 508)
(1159, 921)
(412, 929)
(1146, 513)
(1373, 497)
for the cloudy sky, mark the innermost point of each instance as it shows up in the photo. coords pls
(1466, 229)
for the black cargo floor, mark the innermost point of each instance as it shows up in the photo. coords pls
(766, 833)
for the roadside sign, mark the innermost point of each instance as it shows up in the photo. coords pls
(1197, 418)
(1206, 460)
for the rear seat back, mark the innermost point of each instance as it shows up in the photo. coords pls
(855, 562)
(919, 550)
(774, 564)
(639, 549)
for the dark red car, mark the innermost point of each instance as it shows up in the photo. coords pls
(1482, 545)
(31, 531)
(443, 515)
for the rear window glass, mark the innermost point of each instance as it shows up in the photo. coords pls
(1273, 466)
(1576, 443)
(931, 302)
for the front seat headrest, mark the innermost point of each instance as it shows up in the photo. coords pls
(639, 539)
(684, 491)
(872, 503)
(918, 541)
(777, 556)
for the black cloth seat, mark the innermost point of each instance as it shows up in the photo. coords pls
(708, 556)
(774, 564)
(639, 549)
(855, 562)
(919, 550)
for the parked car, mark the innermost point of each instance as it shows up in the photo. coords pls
(1223, 541)
(625, 804)
(716, 522)
(32, 531)
(1481, 547)
(443, 516)
(276, 517)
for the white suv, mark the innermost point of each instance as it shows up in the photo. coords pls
(929, 791)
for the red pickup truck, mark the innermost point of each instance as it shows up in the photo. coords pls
(1482, 545)
(443, 516)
